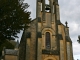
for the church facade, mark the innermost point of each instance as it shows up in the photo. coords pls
(46, 38)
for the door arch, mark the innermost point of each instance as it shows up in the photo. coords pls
(50, 58)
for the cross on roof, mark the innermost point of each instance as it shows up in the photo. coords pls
(66, 24)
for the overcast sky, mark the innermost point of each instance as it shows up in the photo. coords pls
(70, 12)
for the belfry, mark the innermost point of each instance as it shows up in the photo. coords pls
(46, 38)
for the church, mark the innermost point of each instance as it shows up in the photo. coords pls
(46, 38)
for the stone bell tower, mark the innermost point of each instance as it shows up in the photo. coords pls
(48, 19)
(46, 38)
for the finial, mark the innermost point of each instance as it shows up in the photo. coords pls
(66, 24)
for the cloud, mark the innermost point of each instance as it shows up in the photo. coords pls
(32, 7)
(69, 10)
(77, 49)
(74, 28)
(77, 57)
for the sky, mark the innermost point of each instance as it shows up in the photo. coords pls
(70, 12)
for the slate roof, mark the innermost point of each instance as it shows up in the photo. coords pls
(11, 52)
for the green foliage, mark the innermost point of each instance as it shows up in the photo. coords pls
(78, 39)
(13, 18)
(6, 44)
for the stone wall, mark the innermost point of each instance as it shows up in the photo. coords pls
(11, 57)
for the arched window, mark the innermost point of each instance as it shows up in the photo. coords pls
(48, 40)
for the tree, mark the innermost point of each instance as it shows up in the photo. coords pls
(13, 18)
(78, 39)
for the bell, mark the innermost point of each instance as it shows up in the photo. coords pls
(47, 8)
